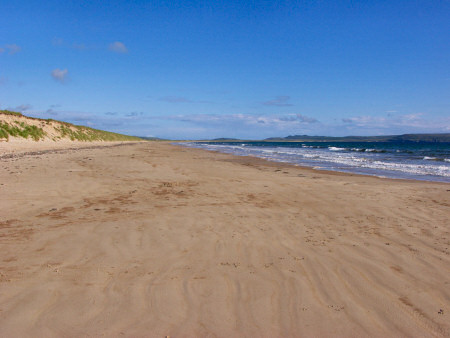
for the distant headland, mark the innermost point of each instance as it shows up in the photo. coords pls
(433, 138)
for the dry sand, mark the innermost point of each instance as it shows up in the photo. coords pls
(18, 145)
(158, 240)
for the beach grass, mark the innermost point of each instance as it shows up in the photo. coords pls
(20, 129)
(25, 128)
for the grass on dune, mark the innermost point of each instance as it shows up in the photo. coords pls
(20, 129)
(89, 134)
(64, 129)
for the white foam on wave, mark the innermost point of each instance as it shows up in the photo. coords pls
(439, 170)
(333, 159)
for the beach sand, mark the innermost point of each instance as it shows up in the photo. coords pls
(157, 240)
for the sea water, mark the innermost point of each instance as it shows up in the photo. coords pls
(418, 161)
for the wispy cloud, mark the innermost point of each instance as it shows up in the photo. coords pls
(21, 108)
(406, 123)
(60, 75)
(134, 113)
(10, 49)
(133, 123)
(279, 101)
(237, 125)
(299, 118)
(182, 99)
(284, 121)
(118, 47)
(13, 49)
(175, 99)
(57, 42)
(257, 126)
(51, 111)
(79, 46)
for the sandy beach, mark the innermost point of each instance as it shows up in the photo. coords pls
(152, 239)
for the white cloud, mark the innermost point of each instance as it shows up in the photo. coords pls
(273, 121)
(60, 75)
(407, 123)
(299, 118)
(251, 126)
(118, 47)
(134, 114)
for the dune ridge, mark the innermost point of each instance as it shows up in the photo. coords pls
(15, 127)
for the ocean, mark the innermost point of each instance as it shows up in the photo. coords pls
(417, 161)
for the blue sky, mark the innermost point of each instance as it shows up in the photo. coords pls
(246, 69)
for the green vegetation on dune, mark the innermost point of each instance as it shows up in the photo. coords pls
(21, 130)
(9, 112)
(89, 134)
(64, 129)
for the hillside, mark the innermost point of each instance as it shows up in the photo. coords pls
(14, 125)
(387, 138)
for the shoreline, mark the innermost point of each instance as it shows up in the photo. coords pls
(322, 171)
(159, 239)
(322, 166)
(22, 148)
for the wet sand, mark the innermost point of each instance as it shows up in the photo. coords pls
(157, 240)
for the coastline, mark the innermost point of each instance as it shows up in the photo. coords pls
(352, 158)
(168, 240)
(263, 161)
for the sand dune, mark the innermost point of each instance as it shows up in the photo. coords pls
(157, 240)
